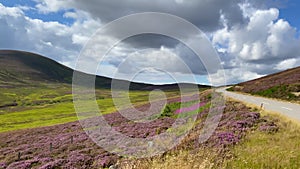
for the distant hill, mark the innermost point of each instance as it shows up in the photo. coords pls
(282, 85)
(19, 68)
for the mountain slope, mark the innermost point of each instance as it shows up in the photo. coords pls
(283, 85)
(18, 68)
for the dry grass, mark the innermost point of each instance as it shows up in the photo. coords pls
(263, 150)
(183, 159)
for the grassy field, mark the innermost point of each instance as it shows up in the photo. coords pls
(52, 104)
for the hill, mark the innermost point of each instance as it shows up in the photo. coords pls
(282, 85)
(19, 68)
(22, 68)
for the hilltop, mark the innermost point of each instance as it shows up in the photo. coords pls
(282, 85)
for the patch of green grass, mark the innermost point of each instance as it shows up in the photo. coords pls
(53, 104)
(6, 98)
(281, 92)
(284, 92)
(38, 117)
(47, 115)
(169, 110)
(231, 89)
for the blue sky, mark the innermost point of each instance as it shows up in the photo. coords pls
(35, 14)
(253, 38)
(290, 12)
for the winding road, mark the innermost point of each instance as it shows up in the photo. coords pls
(291, 110)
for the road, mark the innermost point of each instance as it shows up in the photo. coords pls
(290, 110)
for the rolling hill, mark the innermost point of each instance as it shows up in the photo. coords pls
(19, 68)
(282, 85)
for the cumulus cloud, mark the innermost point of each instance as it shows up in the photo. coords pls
(264, 45)
(50, 38)
(230, 76)
(205, 14)
(265, 37)
(163, 59)
(251, 39)
(287, 64)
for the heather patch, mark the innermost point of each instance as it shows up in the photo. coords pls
(236, 123)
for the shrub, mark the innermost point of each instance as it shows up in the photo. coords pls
(167, 112)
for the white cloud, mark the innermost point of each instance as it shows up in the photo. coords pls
(252, 43)
(287, 64)
(282, 41)
(10, 11)
(229, 76)
(47, 6)
(52, 39)
(256, 48)
(264, 37)
(163, 59)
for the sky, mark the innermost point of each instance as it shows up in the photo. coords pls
(252, 38)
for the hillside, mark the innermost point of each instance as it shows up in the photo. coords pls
(282, 85)
(18, 68)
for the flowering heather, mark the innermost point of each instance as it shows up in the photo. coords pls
(107, 161)
(233, 126)
(228, 138)
(242, 125)
(68, 146)
(3, 165)
(269, 127)
(190, 108)
(236, 122)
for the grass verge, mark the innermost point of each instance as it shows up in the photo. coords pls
(269, 150)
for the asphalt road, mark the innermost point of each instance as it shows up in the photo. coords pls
(291, 110)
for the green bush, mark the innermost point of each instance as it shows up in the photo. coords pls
(231, 89)
(167, 112)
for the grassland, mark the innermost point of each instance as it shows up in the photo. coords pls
(52, 104)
